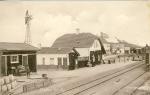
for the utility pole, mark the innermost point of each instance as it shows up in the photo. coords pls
(28, 19)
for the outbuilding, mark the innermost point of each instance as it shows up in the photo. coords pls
(57, 58)
(13, 55)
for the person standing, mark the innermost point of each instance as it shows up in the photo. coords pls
(28, 71)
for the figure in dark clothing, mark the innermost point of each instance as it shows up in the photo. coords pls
(28, 71)
(119, 58)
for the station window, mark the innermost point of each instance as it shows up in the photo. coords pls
(51, 61)
(65, 61)
(14, 59)
(43, 60)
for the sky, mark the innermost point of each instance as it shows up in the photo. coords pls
(126, 20)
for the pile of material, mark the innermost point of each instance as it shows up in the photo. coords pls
(7, 83)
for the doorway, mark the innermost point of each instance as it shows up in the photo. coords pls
(4, 65)
(59, 62)
(24, 60)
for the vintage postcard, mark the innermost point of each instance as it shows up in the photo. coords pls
(74, 47)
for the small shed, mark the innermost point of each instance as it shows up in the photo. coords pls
(13, 55)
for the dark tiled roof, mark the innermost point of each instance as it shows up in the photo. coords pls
(84, 40)
(16, 46)
(48, 50)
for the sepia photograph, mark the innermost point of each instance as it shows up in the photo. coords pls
(74, 47)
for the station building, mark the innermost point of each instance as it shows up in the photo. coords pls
(84, 46)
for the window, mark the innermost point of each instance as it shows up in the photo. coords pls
(14, 59)
(52, 61)
(65, 61)
(43, 60)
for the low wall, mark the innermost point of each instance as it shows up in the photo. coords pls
(7, 83)
(36, 85)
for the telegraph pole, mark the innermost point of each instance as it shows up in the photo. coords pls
(28, 19)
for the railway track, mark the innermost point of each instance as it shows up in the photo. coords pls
(124, 86)
(98, 81)
(137, 88)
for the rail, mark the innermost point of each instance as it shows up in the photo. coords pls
(113, 75)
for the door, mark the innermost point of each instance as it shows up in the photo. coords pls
(92, 58)
(65, 63)
(8, 65)
(32, 63)
(24, 60)
(4, 65)
(72, 63)
(59, 62)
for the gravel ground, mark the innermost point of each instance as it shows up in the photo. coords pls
(60, 77)
(86, 71)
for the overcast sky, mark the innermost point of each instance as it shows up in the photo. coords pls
(127, 20)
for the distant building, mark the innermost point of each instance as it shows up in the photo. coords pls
(117, 48)
(56, 58)
(111, 44)
(15, 54)
(131, 48)
(88, 46)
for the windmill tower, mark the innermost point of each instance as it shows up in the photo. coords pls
(28, 19)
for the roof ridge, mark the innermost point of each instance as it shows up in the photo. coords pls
(13, 42)
(57, 47)
(85, 39)
(16, 46)
(55, 50)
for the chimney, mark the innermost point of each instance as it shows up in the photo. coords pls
(39, 45)
(77, 30)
